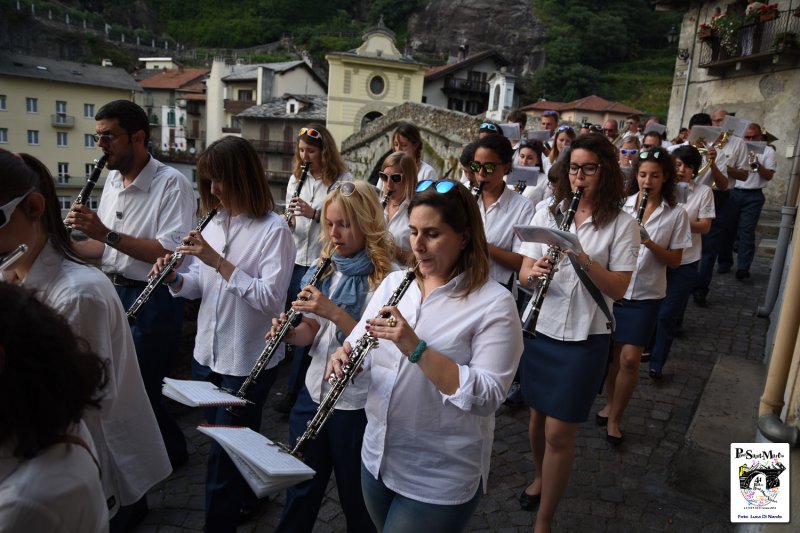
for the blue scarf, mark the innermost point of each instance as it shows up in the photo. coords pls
(352, 290)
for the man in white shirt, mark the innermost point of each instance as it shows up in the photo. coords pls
(746, 201)
(145, 209)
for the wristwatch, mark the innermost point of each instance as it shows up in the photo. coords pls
(112, 238)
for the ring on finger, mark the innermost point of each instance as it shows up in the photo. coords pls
(391, 322)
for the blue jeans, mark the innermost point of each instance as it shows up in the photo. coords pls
(393, 513)
(680, 282)
(336, 449)
(300, 359)
(226, 489)
(157, 337)
(711, 242)
(743, 213)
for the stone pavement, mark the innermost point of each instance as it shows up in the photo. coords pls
(630, 489)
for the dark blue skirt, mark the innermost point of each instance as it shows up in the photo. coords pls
(636, 321)
(561, 378)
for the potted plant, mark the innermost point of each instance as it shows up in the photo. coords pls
(705, 31)
(727, 30)
(786, 39)
(768, 12)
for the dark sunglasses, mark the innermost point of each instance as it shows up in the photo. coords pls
(489, 126)
(650, 154)
(476, 166)
(440, 186)
(397, 178)
(314, 134)
(7, 210)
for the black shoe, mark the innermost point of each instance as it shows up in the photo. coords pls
(700, 299)
(654, 374)
(616, 441)
(601, 421)
(528, 502)
(723, 269)
(285, 405)
(645, 357)
(742, 274)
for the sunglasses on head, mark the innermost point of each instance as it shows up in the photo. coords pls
(397, 178)
(345, 188)
(650, 154)
(314, 134)
(550, 113)
(476, 166)
(565, 127)
(489, 126)
(440, 186)
(7, 210)
(625, 151)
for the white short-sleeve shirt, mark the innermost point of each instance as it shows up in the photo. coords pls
(754, 179)
(398, 226)
(498, 223)
(699, 205)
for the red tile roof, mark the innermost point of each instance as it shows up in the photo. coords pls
(587, 103)
(176, 78)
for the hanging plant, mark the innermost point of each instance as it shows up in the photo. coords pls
(728, 32)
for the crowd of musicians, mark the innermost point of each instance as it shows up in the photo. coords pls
(429, 267)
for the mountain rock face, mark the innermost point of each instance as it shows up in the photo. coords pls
(505, 25)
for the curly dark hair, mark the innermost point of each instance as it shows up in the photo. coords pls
(48, 376)
(663, 159)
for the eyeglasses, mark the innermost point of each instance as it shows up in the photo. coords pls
(632, 151)
(589, 169)
(650, 154)
(565, 127)
(550, 113)
(104, 137)
(489, 126)
(440, 186)
(345, 188)
(314, 134)
(489, 168)
(7, 210)
(397, 178)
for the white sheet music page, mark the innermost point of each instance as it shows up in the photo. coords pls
(198, 393)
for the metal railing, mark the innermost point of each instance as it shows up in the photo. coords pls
(273, 147)
(753, 39)
(60, 120)
(466, 85)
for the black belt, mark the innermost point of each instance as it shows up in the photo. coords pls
(748, 190)
(121, 281)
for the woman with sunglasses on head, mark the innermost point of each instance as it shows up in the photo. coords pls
(407, 138)
(698, 202)
(563, 366)
(664, 231)
(399, 177)
(241, 267)
(132, 455)
(315, 146)
(439, 372)
(500, 208)
(355, 238)
(563, 139)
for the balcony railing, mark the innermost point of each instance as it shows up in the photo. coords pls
(62, 121)
(755, 42)
(278, 176)
(237, 106)
(470, 86)
(273, 147)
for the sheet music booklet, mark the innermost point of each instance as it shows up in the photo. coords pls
(550, 236)
(264, 465)
(199, 393)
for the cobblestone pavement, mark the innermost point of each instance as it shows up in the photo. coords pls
(626, 489)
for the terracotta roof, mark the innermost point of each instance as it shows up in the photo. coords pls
(587, 103)
(174, 78)
(440, 71)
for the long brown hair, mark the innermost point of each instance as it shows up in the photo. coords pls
(408, 166)
(332, 164)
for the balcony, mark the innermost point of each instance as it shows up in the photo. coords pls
(195, 133)
(273, 147)
(60, 120)
(466, 86)
(278, 176)
(237, 106)
(231, 129)
(758, 45)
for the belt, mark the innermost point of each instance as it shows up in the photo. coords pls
(121, 281)
(742, 189)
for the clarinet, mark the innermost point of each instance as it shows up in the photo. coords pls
(8, 259)
(554, 253)
(363, 346)
(476, 191)
(293, 318)
(642, 206)
(154, 283)
(88, 187)
(288, 214)
(385, 199)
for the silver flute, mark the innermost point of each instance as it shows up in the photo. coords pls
(289, 213)
(157, 280)
(9, 259)
(554, 253)
(88, 187)
(363, 346)
(293, 318)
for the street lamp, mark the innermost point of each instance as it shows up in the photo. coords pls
(672, 35)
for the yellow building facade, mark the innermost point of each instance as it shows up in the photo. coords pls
(365, 83)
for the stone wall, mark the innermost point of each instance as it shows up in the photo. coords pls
(444, 133)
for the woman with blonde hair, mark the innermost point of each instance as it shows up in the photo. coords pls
(399, 176)
(360, 249)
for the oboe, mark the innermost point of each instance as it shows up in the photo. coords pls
(362, 348)
(88, 187)
(476, 191)
(289, 213)
(169, 267)
(293, 318)
(642, 206)
(385, 199)
(554, 253)
(8, 259)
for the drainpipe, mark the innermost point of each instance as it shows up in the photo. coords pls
(689, 69)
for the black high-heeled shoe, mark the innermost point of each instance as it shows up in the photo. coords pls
(601, 421)
(528, 502)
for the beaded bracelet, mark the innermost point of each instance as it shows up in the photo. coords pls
(417, 353)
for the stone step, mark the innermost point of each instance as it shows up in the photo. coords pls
(766, 248)
(769, 223)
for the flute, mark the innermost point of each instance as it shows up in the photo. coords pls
(88, 187)
(8, 259)
(169, 267)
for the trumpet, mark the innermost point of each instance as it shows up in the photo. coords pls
(292, 319)
(9, 259)
(168, 268)
(752, 160)
(554, 254)
(289, 213)
(88, 187)
(363, 346)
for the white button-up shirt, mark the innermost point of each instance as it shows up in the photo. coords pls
(305, 230)
(426, 172)
(669, 228)
(130, 449)
(159, 204)
(427, 445)
(699, 205)
(235, 314)
(754, 179)
(569, 312)
(499, 220)
(398, 226)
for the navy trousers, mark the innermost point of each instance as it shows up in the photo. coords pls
(711, 243)
(743, 213)
(680, 282)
